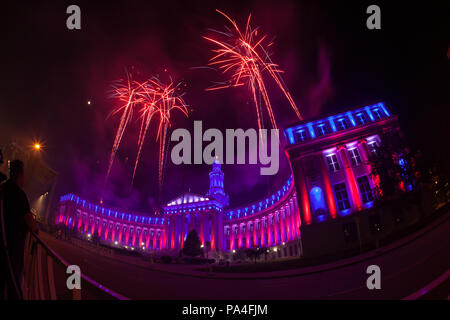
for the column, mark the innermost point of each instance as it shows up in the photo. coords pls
(293, 226)
(99, 229)
(366, 153)
(182, 230)
(232, 238)
(262, 231)
(120, 234)
(127, 235)
(133, 238)
(106, 231)
(239, 226)
(296, 211)
(302, 196)
(155, 233)
(147, 239)
(213, 233)
(247, 236)
(202, 229)
(140, 237)
(287, 224)
(350, 178)
(269, 230)
(172, 232)
(255, 238)
(80, 220)
(164, 236)
(276, 224)
(282, 226)
(328, 189)
(219, 236)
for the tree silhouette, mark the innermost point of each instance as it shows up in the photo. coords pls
(253, 253)
(191, 246)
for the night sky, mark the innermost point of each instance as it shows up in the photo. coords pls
(331, 62)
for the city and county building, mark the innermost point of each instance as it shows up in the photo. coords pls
(326, 206)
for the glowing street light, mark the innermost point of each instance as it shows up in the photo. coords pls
(37, 146)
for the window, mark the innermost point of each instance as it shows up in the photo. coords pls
(301, 135)
(377, 113)
(321, 129)
(227, 231)
(364, 189)
(354, 156)
(228, 244)
(341, 124)
(236, 243)
(333, 163)
(372, 145)
(361, 118)
(244, 243)
(341, 196)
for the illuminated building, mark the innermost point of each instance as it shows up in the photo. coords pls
(331, 180)
(330, 160)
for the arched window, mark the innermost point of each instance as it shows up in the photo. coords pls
(318, 203)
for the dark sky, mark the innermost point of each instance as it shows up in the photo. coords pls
(331, 62)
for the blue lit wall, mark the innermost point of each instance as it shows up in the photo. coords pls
(343, 121)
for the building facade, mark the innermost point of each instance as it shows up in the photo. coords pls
(332, 178)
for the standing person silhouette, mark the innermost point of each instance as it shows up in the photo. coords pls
(16, 221)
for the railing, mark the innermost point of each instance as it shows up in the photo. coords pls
(45, 276)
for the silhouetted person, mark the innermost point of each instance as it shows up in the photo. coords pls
(18, 220)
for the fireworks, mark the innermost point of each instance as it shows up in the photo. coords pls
(149, 99)
(168, 100)
(244, 55)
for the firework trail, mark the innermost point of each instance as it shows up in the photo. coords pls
(244, 55)
(149, 99)
(170, 99)
(148, 110)
(125, 91)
